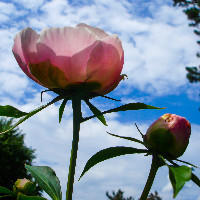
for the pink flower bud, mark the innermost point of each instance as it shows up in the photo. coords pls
(169, 135)
(24, 186)
(63, 57)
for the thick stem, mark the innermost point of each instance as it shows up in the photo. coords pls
(76, 106)
(152, 174)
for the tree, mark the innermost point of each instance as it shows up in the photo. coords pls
(13, 155)
(192, 10)
(119, 195)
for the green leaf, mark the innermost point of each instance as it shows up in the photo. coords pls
(178, 176)
(61, 109)
(4, 190)
(30, 114)
(21, 196)
(127, 138)
(9, 111)
(129, 106)
(47, 180)
(96, 112)
(132, 106)
(108, 153)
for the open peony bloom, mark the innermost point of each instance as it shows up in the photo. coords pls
(59, 58)
(169, 135)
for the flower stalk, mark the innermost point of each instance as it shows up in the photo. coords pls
(154, 168)
(76, 106)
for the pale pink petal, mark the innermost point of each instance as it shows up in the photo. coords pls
(66, 41)
(28, 42)
(99, 34)
(77, 72)
(19, 56)
(104, 65)
(114, 40)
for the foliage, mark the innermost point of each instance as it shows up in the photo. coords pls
(13, 155)
(119, 195)
(192, 10)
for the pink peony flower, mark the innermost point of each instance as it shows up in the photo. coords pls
(64, 57)
(169, 135)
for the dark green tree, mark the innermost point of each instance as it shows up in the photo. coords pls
(119, 195)
(192, 10)
(14, 154)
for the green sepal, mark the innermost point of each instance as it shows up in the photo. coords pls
(10, 111)
(47, 180)
(108, 153)
(178, 176)
(127, 138)
(96, 112)
(21, 196)
(61, 109)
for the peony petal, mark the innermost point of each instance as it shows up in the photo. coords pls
(114, 40)
(49, 76)
(77, 72)
(99, 34)
(19, 56)
(104, 65)
(28, 42)
(66, 41)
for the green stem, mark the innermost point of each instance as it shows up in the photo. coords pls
(76, 106)
(152, 174)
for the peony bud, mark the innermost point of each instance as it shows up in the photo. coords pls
(169, 135)
(68, 58)
(24, 186)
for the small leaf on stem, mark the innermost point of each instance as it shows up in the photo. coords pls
(47, 180)
(30, 114)
(10, 111)
(127, 138)
(178, 176)
(108, 153)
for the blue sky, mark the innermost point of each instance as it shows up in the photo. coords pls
(158, 44)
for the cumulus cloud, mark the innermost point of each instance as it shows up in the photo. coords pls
(155, 37)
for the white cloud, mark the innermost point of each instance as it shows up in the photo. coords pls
(156, 52)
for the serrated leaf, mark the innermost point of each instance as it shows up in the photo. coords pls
(61, 109)
(108, 153)
(127, 138)
(21, 196)
(4, 190)
(47, 180)
(30, 114)
(97, 113)
(178, 176)
(10, 111)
